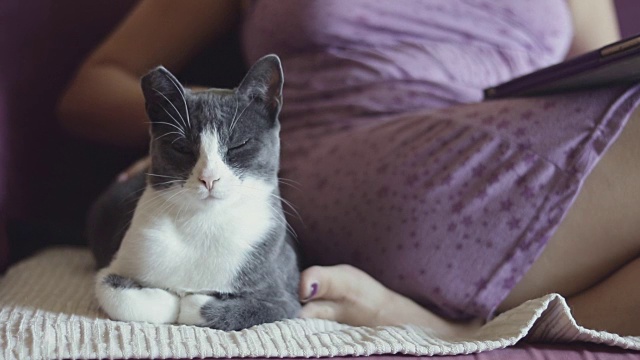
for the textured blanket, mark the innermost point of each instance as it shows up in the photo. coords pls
(48, 310)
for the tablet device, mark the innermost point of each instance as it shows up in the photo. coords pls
(617, 63)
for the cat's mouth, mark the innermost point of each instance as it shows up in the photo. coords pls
(211, 197)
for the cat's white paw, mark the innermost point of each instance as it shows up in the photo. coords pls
(138, 304)
(190, 309)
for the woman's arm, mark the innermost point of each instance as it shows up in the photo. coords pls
(104, 101)
(594, 25)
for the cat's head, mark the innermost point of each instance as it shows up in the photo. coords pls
(215, 145)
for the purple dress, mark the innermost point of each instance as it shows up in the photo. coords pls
(400, 169)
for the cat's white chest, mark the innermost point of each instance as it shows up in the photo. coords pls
(202, 252)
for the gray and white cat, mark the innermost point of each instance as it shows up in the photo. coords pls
(208, 242)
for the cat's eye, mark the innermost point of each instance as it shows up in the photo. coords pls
(181, 147)
(239, 145)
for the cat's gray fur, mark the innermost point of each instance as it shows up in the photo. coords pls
(266, 288)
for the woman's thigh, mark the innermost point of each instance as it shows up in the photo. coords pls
(601, 231)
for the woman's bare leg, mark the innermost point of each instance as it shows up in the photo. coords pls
(612, 304)
(593, 259)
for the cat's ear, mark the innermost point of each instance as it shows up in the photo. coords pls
(264, 82)
(163, 95)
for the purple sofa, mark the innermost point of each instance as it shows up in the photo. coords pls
(48, 178)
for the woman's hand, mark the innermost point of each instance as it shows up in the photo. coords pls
(348, 295)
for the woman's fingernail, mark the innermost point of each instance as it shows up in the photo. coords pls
(314, 291)
(122, 177)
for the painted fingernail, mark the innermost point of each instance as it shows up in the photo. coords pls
(122, 177)
(314, 291)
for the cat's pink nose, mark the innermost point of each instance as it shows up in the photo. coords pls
(208, 181)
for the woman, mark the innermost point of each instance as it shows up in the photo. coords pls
(456, 210)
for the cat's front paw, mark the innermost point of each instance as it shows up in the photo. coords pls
(124, 299)
(191, 309)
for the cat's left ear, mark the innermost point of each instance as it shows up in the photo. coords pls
(164, 96)
(264, 82)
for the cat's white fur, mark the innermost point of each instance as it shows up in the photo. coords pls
(190, 306)
(187, 240)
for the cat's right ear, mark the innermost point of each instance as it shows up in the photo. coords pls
(164, 96)
(264, 81)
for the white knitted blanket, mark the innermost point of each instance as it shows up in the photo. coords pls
(48, 311)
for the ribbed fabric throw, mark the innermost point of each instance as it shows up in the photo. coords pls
(48, 311)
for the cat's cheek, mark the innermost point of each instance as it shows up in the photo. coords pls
(226, 191)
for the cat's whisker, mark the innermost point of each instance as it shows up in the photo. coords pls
(287, 226)
(143, 203)
(168, 182)
(132, 196)
(162, 192)
(179, 126)
(174, 107)
(157, 197)
(289, 184)
(236, 112)
(170, 124)
(293, 233)
(185, 205)
(173, 205)
(181, 191)
(164, 176)
(165, 207)
(233, 124)
(282, 220)
(290, 205)
(169, 133)
(289, 180)
(181, 91)
(282, 200)
(286, 223)
(233, 119)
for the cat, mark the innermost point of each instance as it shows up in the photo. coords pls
(207, 242)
